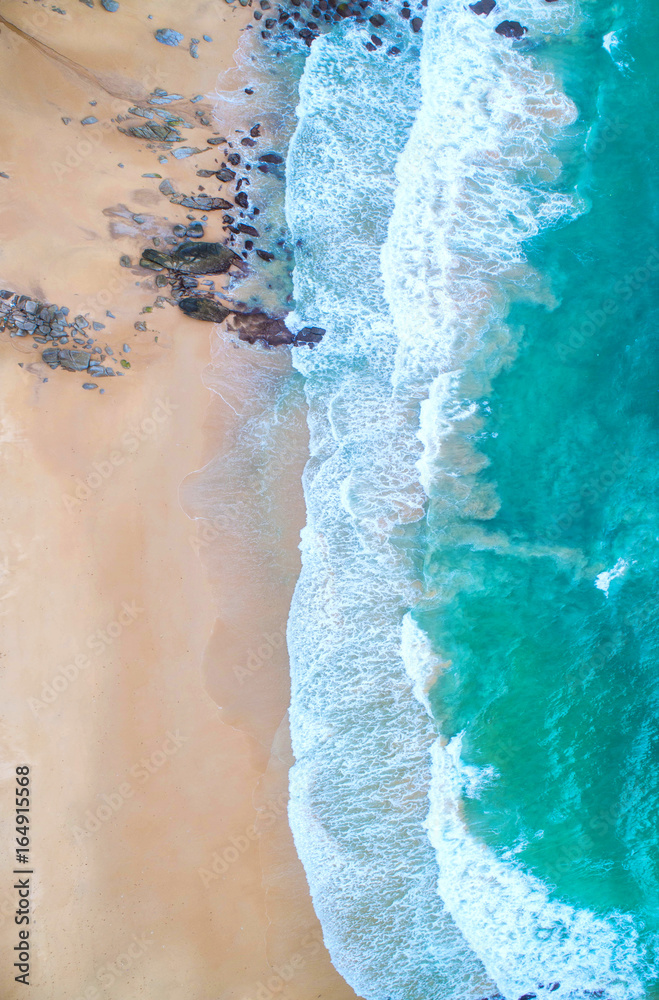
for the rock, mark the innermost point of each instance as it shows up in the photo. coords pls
(482, 6)
(417, 23)
(234, 159)
(195, 231)
(179, 230)
(193, 258)
(242, 200)
(216, 140)
(393, 51)
(89, 385)
(74, 361)
(193, 48)
(309, 335)
(204, 258)
(271, 158)
(528, 996)
(377, 20)
(152, 265)
(202, 202)
(184, 151)
(258, 326)
(88, 3)
(247, 141)
(225, 175)
(166, 36)
(207, 310)
(110, 5)
(50, 356)
(553, 986)
(248, 230)
(89, 121)
(166, 187)
(161, 133)
(265, 254)
(510, 29)
(162, 97)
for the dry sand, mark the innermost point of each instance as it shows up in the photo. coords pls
(163, 863)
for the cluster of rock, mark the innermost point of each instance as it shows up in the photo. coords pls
(251, 325)
(293, 18)
(50, 324)
(509, 29)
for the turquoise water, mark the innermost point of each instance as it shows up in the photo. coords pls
(473, 638)
(553, 682)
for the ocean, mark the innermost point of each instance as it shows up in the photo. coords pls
(473, 636)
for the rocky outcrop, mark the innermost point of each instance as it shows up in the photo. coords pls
(482, 6)
(72, 361)
(208, 310)
(309, 335)
(511, 29)
(258, 327)
(193, 258)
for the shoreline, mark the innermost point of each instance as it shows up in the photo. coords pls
(140, 784)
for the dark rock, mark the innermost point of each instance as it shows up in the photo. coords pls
(255, 130)
(225, 174)
(377, 20)
(258, 326)
(204, 309)
(161, 133)
(89, 385)
(110, 5)
(417, 23)
(74, 361)
(195, 231)
(271, 158)
(248, 230)
(206, 173)
(482, 6)
(242, 200)
(89, 121)
(179, 230)
(376, 41)
(553, 986)
(247, 141)
(166, 187)
(511, 29)
(265, 254)
(528, 996)
(234, 159)
(203, 258)
(153, 265)
(216, 140)
(405, 12)
(201, 202)
(309, 335)
(393, 51)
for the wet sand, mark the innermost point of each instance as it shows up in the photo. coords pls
(144, 674)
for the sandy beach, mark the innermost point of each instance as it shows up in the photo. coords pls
(144, 670)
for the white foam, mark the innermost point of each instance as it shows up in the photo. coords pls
(604, 580)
